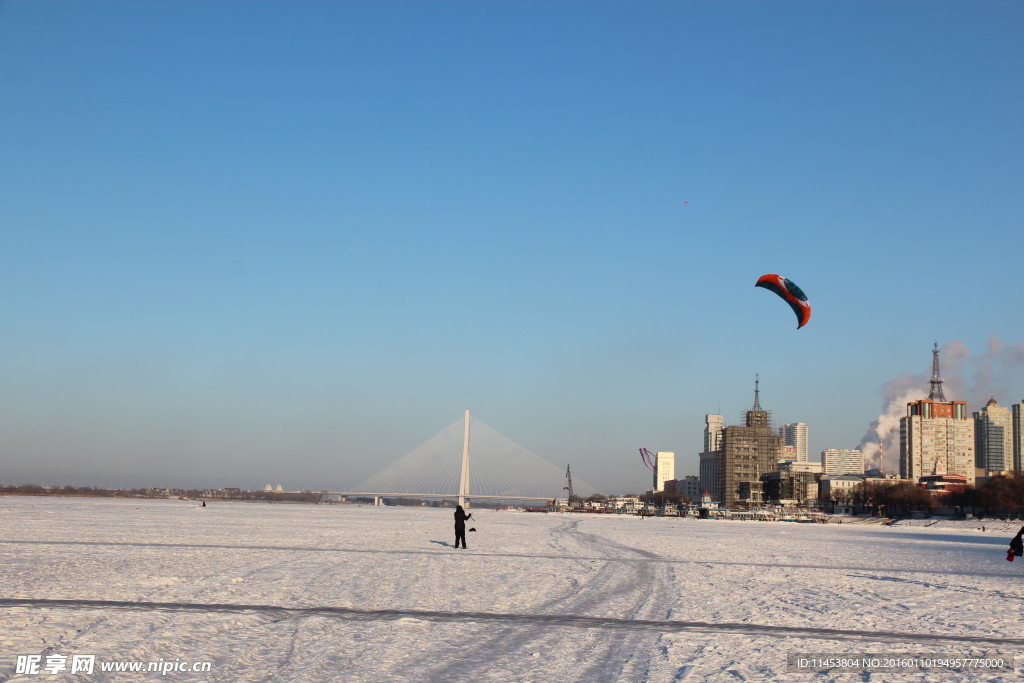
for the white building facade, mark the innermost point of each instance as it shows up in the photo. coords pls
(713, 432)
(795, 434)
(665, 469)
(937, 437)
(993, 438)
(839, 487)
(711, 456)
(836, 461)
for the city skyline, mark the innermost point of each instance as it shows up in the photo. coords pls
(288, 243)
(712, 435)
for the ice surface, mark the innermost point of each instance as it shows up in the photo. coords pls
(276, 592)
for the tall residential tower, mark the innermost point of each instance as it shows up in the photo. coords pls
(795, 435)
(936, 436)
(993, 437)
(710, 457)
(664, 469)
(1017, 411)
(712, 432)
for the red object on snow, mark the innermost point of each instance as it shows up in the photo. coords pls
(1009, 556)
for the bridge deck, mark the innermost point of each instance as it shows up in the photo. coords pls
(432, 495)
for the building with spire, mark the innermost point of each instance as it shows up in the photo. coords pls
(747, 453)
(993, 438)
(936, 435)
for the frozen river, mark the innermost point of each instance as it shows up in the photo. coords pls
(280, 592)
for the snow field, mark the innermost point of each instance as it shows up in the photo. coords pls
(506, 609)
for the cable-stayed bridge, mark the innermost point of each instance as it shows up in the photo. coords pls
(470, 460)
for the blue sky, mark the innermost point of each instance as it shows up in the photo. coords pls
(283, 242)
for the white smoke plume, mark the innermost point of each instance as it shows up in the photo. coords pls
(996, 373)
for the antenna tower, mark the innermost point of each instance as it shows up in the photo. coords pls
(936, 381)
(757, 398)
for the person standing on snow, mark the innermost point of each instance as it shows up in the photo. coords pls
(1016, 546)
(460, 526)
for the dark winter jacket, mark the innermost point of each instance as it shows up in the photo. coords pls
(1017, 544)
(460, 518)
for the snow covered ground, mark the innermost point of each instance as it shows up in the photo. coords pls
(274, 592)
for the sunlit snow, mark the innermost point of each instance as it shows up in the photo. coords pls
(346, 593)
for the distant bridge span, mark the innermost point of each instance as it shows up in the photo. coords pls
(371, 494)
(501, 470)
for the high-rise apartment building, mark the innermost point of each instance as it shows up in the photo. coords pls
(795, 435)
(709, 458)
(747, 453)
(712, 432)
(664, 469)
(993, 437)
(839, 461)
(936, 435)
(709, 465)
(1017, 417)
(709, 473)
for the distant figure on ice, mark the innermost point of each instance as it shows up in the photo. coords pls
(460, 526)
(204, 503)
(1016, 546)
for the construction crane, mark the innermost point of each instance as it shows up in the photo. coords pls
(568, 487)
(650, 459)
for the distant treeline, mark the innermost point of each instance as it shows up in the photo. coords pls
(665, 499)
(195, 494)
(222, 494)
(999, 496)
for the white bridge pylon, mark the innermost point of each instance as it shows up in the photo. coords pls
(469, 459)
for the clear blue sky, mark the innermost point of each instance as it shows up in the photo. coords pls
(287, 242)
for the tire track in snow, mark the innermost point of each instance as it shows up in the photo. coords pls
(505, 648)
(619, 588)
(560, 620)
(648, 587)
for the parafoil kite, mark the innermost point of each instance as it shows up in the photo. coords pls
(793, 295)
